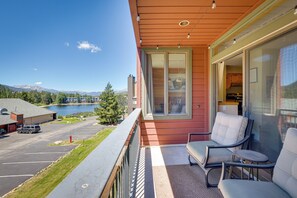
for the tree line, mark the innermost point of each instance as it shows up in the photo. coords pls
(112, 106)
(42, 98)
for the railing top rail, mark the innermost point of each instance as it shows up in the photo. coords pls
(88, 179)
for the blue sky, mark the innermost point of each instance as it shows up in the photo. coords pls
(66, 44)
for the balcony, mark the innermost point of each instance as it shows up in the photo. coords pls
(120, 167)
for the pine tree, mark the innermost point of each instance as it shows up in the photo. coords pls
(109, 111)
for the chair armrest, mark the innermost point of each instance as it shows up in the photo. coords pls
(225, 165)
(208, 148)
(199, 133)
(230, 145)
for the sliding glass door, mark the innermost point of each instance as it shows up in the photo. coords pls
(272, 98)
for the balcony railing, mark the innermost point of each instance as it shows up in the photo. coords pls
(109, 171)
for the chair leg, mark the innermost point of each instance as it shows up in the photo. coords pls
(189, 158)
(206, 179)
(190, 162)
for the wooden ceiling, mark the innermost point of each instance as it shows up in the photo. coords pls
(159, 20)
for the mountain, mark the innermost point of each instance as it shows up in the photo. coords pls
(14, 88)
(122, 91)
(20, 88)
(290, 91)
(35, 88)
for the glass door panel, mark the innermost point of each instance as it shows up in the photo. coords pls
(272, 98)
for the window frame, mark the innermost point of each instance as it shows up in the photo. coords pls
(145, 80)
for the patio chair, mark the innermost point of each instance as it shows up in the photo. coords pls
(284, 180)
(230, 132)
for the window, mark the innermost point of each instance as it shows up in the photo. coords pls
(167, 84)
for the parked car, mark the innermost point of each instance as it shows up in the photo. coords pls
(2, 131)
(29, 129)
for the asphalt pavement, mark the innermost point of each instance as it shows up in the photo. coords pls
(24, 155)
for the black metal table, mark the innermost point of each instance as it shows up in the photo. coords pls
(252, 157)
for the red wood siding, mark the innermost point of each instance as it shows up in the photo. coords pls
(12, 127)
(160, 132)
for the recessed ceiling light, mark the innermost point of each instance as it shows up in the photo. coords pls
(184, 23)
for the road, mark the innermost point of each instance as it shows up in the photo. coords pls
(24, 155)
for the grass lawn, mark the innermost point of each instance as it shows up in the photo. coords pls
(71, 120)
(44, 182)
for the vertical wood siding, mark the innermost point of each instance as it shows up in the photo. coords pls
(160, 132)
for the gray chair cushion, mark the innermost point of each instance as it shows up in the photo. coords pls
(228, 129)
(198, 150)
(251, 189)
(285, 171)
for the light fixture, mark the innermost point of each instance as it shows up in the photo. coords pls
(209, 47)
(213, 5)
(140, 41)
(157, 47)
(295, 12)
(234, 41)
(189, 35)
(138, 18)
(184, 23)
(178, 46)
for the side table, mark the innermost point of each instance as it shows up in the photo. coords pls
(252, 157)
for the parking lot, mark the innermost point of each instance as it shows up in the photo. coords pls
(24, 155)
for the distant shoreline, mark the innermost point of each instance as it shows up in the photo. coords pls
(69, 104)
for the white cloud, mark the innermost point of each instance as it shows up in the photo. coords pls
(85, 45)
(67, 44)
(38, 83)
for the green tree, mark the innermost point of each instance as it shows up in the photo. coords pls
(61, 98)
(89, 99)
(24, 96)
(123, 103)
(77, 95)
(46, 98)
(5, 92)
(109, 111)
(34, 97)
(53, 97)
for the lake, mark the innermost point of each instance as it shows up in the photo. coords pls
(71, 109)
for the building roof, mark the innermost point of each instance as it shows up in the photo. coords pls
(19, 106)
(5, 119)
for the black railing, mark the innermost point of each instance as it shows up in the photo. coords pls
(288, 118)
(110, 170)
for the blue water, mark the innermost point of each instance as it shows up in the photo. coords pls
(71, 109)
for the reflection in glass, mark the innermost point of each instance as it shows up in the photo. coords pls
(273, 97)
(156, 83)
(177, 84)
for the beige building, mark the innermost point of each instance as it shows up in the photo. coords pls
(31, 114)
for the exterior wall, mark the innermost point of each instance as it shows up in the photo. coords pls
(9, 127)
(160, 132)
(12, 127)
(17, 117)
(131, 94)
(39, 119)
